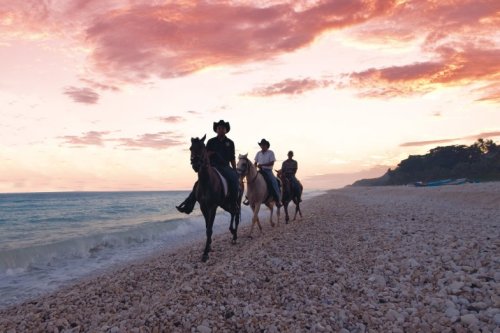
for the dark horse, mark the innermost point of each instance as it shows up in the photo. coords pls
(210, 193)
(290, 194)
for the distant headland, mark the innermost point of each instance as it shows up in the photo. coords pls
(477, 162)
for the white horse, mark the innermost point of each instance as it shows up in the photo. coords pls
(257, 192)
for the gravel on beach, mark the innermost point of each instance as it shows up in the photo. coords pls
(362, 259)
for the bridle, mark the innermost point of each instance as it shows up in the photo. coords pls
(198, 158)
(244, 171)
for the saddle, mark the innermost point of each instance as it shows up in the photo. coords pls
(224, 183)
(269, 185)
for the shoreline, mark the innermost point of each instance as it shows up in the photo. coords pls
(361, 259)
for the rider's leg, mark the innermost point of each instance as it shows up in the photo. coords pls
(187, 205)
(234, 188)
(233, 184)
(274, 185)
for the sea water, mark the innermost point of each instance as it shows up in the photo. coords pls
(48, 240)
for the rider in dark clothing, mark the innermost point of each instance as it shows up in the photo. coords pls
(289, 169)
(222, 156)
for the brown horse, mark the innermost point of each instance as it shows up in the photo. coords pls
(257, 191)
(210, 193)
(289, 195)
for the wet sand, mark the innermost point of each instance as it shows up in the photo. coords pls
(374, 259)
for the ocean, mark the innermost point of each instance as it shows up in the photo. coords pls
(48, 240)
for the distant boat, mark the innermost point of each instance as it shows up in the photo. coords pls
(443, 182)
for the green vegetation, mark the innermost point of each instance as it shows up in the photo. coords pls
(477, 162)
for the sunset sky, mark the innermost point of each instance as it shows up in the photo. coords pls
(105, 95)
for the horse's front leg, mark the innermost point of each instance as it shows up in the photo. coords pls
(297, 209)
(209, 214)
(287, 217)
(233, 227)
(237, 214)
(271, 208)
(237, 223)
(255, 218)
(278, 215)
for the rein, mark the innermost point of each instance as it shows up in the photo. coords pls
(200, 159)
(256, 174)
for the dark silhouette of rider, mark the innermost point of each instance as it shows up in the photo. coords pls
(221, 153)
(289, 168)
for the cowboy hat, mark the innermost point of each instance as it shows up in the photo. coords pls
(222, 123)
(264, 142)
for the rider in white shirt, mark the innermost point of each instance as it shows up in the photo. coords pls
(265, 160)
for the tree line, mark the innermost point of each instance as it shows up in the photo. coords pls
(477, 162)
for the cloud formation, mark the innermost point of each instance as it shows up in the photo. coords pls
(455, 66)
(172, 119)
(161, 140)
(460, 43)
(92, 138)
(291, 87)
(135, 40)
(484, 135)
(82, 95)
(176, 39)
(489, 93)
(139, 39)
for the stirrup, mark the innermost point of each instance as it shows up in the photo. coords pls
(245, 202)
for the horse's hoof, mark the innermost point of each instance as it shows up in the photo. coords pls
(204, 258)
(233, 242)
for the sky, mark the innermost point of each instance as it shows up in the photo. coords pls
(105, 95)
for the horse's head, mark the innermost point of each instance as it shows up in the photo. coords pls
(243, 165)
(198, 152)
(281, 176)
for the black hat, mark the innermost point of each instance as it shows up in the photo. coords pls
(222, 123)
(264, 142)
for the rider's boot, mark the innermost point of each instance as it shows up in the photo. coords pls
(187, 205)
(233, 199)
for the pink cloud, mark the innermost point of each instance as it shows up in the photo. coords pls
(426, 143)
(291, 87)
(460, 39)
(171, 40)
(459, 66)
(92, 138)
(98, 85)
(489, 93)
(161, 140)
(137, 40)
(172, 119)
(82, 95)
(484, 135)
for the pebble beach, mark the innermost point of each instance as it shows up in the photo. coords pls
(362, 259)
